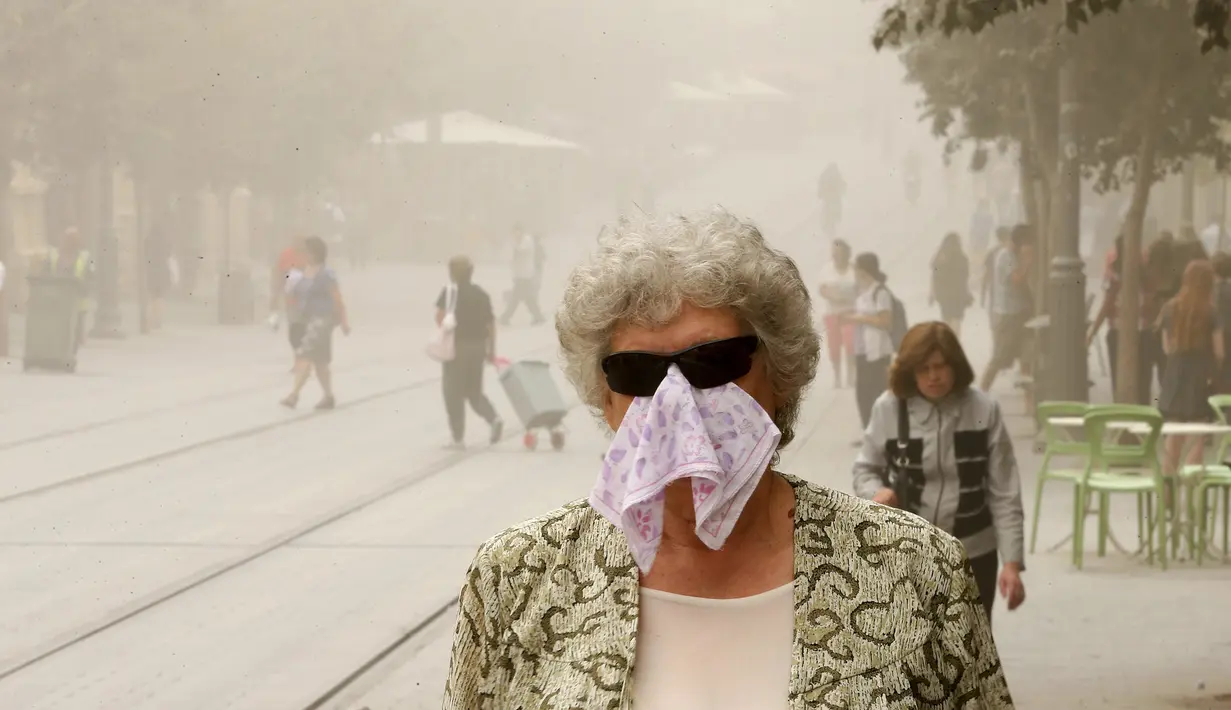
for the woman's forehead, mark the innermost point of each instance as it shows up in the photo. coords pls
(692, 326)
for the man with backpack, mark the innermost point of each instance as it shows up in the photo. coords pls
(880, 320)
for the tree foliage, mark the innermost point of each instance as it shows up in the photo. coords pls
(906, 17)
(999, 85)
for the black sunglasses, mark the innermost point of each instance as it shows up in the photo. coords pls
(712, 364)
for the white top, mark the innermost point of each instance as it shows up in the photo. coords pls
(841, 283)
(714, 654)
(872, 342)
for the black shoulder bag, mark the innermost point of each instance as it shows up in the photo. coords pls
(897, 466)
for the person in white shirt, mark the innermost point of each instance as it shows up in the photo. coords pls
(527, 273)
(873, 316)
(838, 290)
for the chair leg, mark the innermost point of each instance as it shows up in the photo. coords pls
(1140, 516)
(1079, 523)
(1202, 505)
(1226, 521)
(1160, 520)
(1104, 523)
(1148, 540)
(1038, 504)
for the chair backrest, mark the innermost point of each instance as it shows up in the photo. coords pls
(1135, 453)
(1063, 441)
(1220, 403)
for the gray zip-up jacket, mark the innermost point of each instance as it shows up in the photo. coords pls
(961, 473)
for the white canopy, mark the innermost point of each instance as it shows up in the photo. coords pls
(687, 92)
(744, 85)
(466, 128)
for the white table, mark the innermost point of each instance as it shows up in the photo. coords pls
(1168, 429)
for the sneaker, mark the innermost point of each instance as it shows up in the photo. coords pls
(456, 446)
(497, 429)
(326, 403)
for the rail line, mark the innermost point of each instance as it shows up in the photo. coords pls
(228, 437)
(216, 396)
(278, 542)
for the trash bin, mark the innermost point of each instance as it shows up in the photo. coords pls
(534, 395)
(52, 308)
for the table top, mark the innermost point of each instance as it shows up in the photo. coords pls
(1169, 428)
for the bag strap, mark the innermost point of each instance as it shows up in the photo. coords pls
(900, 459)
(451, 298)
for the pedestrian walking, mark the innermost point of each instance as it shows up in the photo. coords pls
(528, 261)
(987, 296)
(1011, 304)
(1149, 343)
(74, 261)
(873, 317)
(839, 290)
(283, 278)
(319, 299)
(468, 309)
(938, 448)
(951, 282)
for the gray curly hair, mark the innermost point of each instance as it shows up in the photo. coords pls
(645, 270)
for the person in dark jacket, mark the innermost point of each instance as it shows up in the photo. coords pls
(474, 344)
(951, 282)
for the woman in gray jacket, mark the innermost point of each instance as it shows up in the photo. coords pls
(937, 447)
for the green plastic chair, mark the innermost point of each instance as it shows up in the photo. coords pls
(1122, 467)
(1203, 480)
(1057, 441)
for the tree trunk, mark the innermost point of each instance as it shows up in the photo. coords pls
(1129, 312)
(1032, 212)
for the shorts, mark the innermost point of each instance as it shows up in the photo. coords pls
(1009, 339)
(839, 336)
(316, 345)
(294, 334)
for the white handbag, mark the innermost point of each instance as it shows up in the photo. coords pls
(441, 346)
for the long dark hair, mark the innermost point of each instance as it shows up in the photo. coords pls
(1192, 320)
(950, 250)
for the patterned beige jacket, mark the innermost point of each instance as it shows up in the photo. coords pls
(887, 615)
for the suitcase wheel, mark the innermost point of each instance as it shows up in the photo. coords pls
(530, 440)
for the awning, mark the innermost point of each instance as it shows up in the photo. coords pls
(466, 128)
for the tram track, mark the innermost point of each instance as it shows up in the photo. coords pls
(232, 436)
(254, 554)
(212, 398)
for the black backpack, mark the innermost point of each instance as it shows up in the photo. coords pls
(898, 325)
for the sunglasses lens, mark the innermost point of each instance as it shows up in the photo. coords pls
(635, 374)
(718, 363)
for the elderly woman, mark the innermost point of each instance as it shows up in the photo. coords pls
(938, 448)
(697, 575)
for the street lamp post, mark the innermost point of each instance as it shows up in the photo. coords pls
(107, 320)
(1067, 378)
